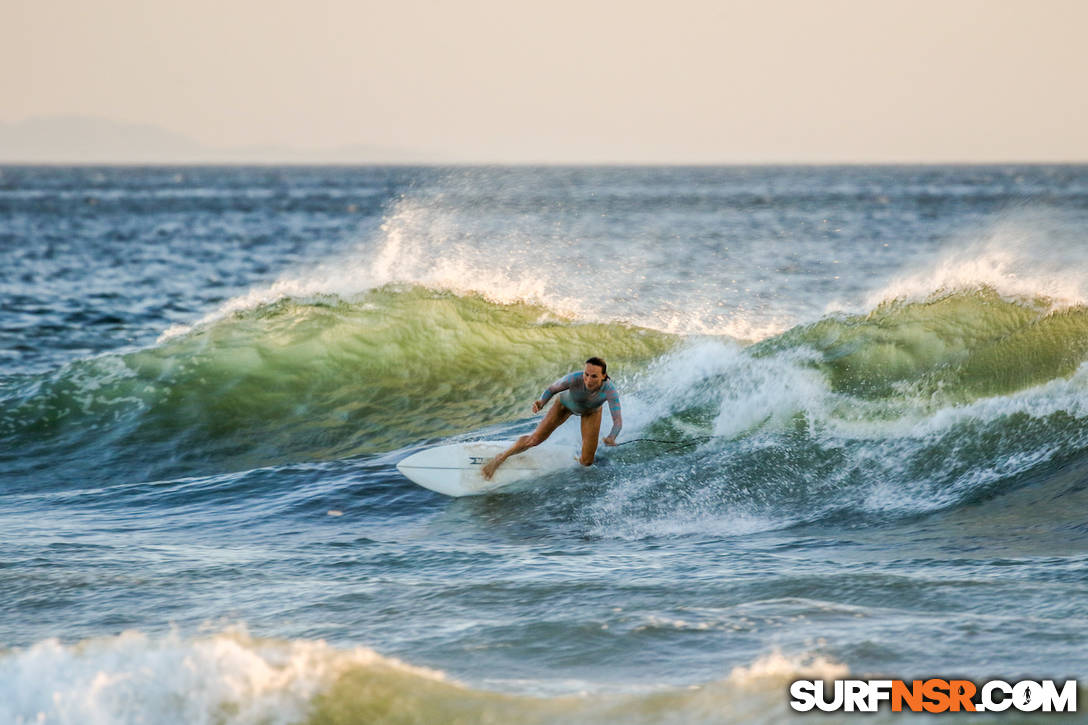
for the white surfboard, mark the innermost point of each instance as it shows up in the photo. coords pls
(455, 469)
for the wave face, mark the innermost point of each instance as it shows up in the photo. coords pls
(954, 347)
(297, 380)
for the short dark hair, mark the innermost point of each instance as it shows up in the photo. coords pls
(599, 363)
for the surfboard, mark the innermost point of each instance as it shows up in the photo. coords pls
(454, 469)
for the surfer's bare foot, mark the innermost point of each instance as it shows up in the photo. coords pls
(489, 468)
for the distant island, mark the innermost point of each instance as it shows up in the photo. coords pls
(85, 140)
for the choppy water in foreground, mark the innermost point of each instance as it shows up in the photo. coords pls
(207, 376)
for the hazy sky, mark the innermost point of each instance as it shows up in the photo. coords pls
(475, 80)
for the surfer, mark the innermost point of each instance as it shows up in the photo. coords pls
(582, 394)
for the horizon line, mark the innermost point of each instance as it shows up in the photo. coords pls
(530, 164)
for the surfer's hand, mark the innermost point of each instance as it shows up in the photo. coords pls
(610, 441)
(537, 405)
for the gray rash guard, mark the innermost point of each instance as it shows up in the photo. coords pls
(578, 400)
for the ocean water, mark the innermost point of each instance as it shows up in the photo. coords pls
(873, 379)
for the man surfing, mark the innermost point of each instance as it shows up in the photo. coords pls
(582, 394)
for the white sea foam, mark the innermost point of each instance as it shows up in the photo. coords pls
(135, 678)
(780, 666)
(231, 678)
(421, 242)
(884, 448)
(1018, 257)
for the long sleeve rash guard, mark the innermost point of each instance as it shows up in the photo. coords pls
(578, 400)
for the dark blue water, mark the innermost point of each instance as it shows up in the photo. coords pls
(209, 374)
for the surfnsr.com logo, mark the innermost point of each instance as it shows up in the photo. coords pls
(933, 695)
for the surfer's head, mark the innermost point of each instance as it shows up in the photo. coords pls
(595, 373)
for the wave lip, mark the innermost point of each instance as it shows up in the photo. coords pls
(231, 677)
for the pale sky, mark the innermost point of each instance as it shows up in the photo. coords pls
(674, 81)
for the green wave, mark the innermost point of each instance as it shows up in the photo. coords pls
(954, 347)
(316, 380)
(329, 378)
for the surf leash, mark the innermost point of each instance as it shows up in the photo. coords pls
(700, 439)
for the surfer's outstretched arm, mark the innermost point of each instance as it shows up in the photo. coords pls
(616, 411)
(558, 386)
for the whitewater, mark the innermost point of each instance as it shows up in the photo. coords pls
(872, 382)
